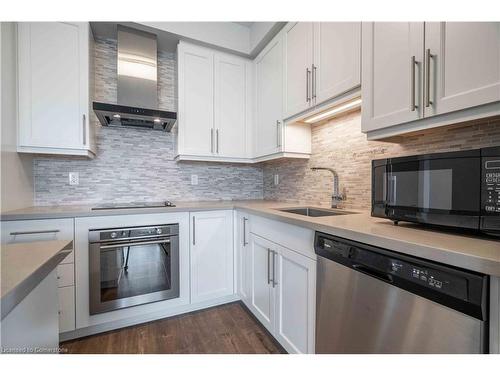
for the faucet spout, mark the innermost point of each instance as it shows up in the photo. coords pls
(337, 197)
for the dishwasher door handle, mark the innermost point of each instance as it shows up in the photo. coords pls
(373, 272)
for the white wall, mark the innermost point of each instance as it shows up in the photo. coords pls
(223, 34)
(240, 39)
(16, 169)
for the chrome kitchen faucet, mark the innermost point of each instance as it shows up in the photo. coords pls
(337, 197)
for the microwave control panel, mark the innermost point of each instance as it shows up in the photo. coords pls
(490, 200)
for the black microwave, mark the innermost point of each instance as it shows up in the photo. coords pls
(454, 189)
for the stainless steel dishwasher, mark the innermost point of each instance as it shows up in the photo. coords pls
(371, 300)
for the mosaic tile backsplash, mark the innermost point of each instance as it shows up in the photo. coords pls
(137, 165)
(339, 144)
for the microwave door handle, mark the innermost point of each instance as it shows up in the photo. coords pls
(389, 189)
(387, 185)
(394, 187)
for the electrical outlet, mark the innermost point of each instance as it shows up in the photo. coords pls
(74, 178)
(276, 179)
(194, 179)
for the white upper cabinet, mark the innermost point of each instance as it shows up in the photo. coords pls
(231, 102)
(392, 73)
(322, 61)
(214, 105)
(422, 75)
(55, 62)
(269, 101)
(196, 100)
(298, 39)
(464, 62)
(337, 59)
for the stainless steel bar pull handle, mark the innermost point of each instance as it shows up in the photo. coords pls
(194, 231)
(245, 231)
(268, 266)
(217, 140)
(84, 129)
(428, 57)
(278, 133)
(274, 269)
(308, 76)
(126, 244)
(212, 140)
(413, 62)
(35, 232)
(314, 73)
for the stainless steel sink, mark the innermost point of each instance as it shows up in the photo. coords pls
(314, 212)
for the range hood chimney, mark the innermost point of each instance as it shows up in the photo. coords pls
(137, 86)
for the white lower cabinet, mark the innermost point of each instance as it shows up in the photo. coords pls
(295, 300)
(211, 238)
(242, 246)
(19, 231)
(283, 284)
(262, 297)
(66, 308)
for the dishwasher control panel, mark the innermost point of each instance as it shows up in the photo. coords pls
(433, 279)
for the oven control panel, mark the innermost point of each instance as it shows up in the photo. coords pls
(133, 233)
(490, 184)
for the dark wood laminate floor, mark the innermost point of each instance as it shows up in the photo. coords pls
(223, 329)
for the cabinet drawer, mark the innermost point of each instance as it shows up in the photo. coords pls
(65, 275)
(66, 308)
(19, 231)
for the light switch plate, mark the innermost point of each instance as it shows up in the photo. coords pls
(74, 178)
(194, 179)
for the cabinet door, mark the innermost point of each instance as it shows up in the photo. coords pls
(390, 80)
(269, 86)
(464, 65)
(230, 106)
(337, 59)
(53, 84)
(244, 261)
(66, 308)
(262, 304)
(298, 39)
(196, 100)
(295, 284)
(211, 255)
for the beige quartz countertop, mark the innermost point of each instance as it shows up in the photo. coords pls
(25, 265)
(64, 211)
(481, 254)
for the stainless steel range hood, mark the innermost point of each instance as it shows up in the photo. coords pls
(137, 86)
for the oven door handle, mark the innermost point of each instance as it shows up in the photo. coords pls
(125, 244)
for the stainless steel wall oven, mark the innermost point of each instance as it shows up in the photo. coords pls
(133, 266)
